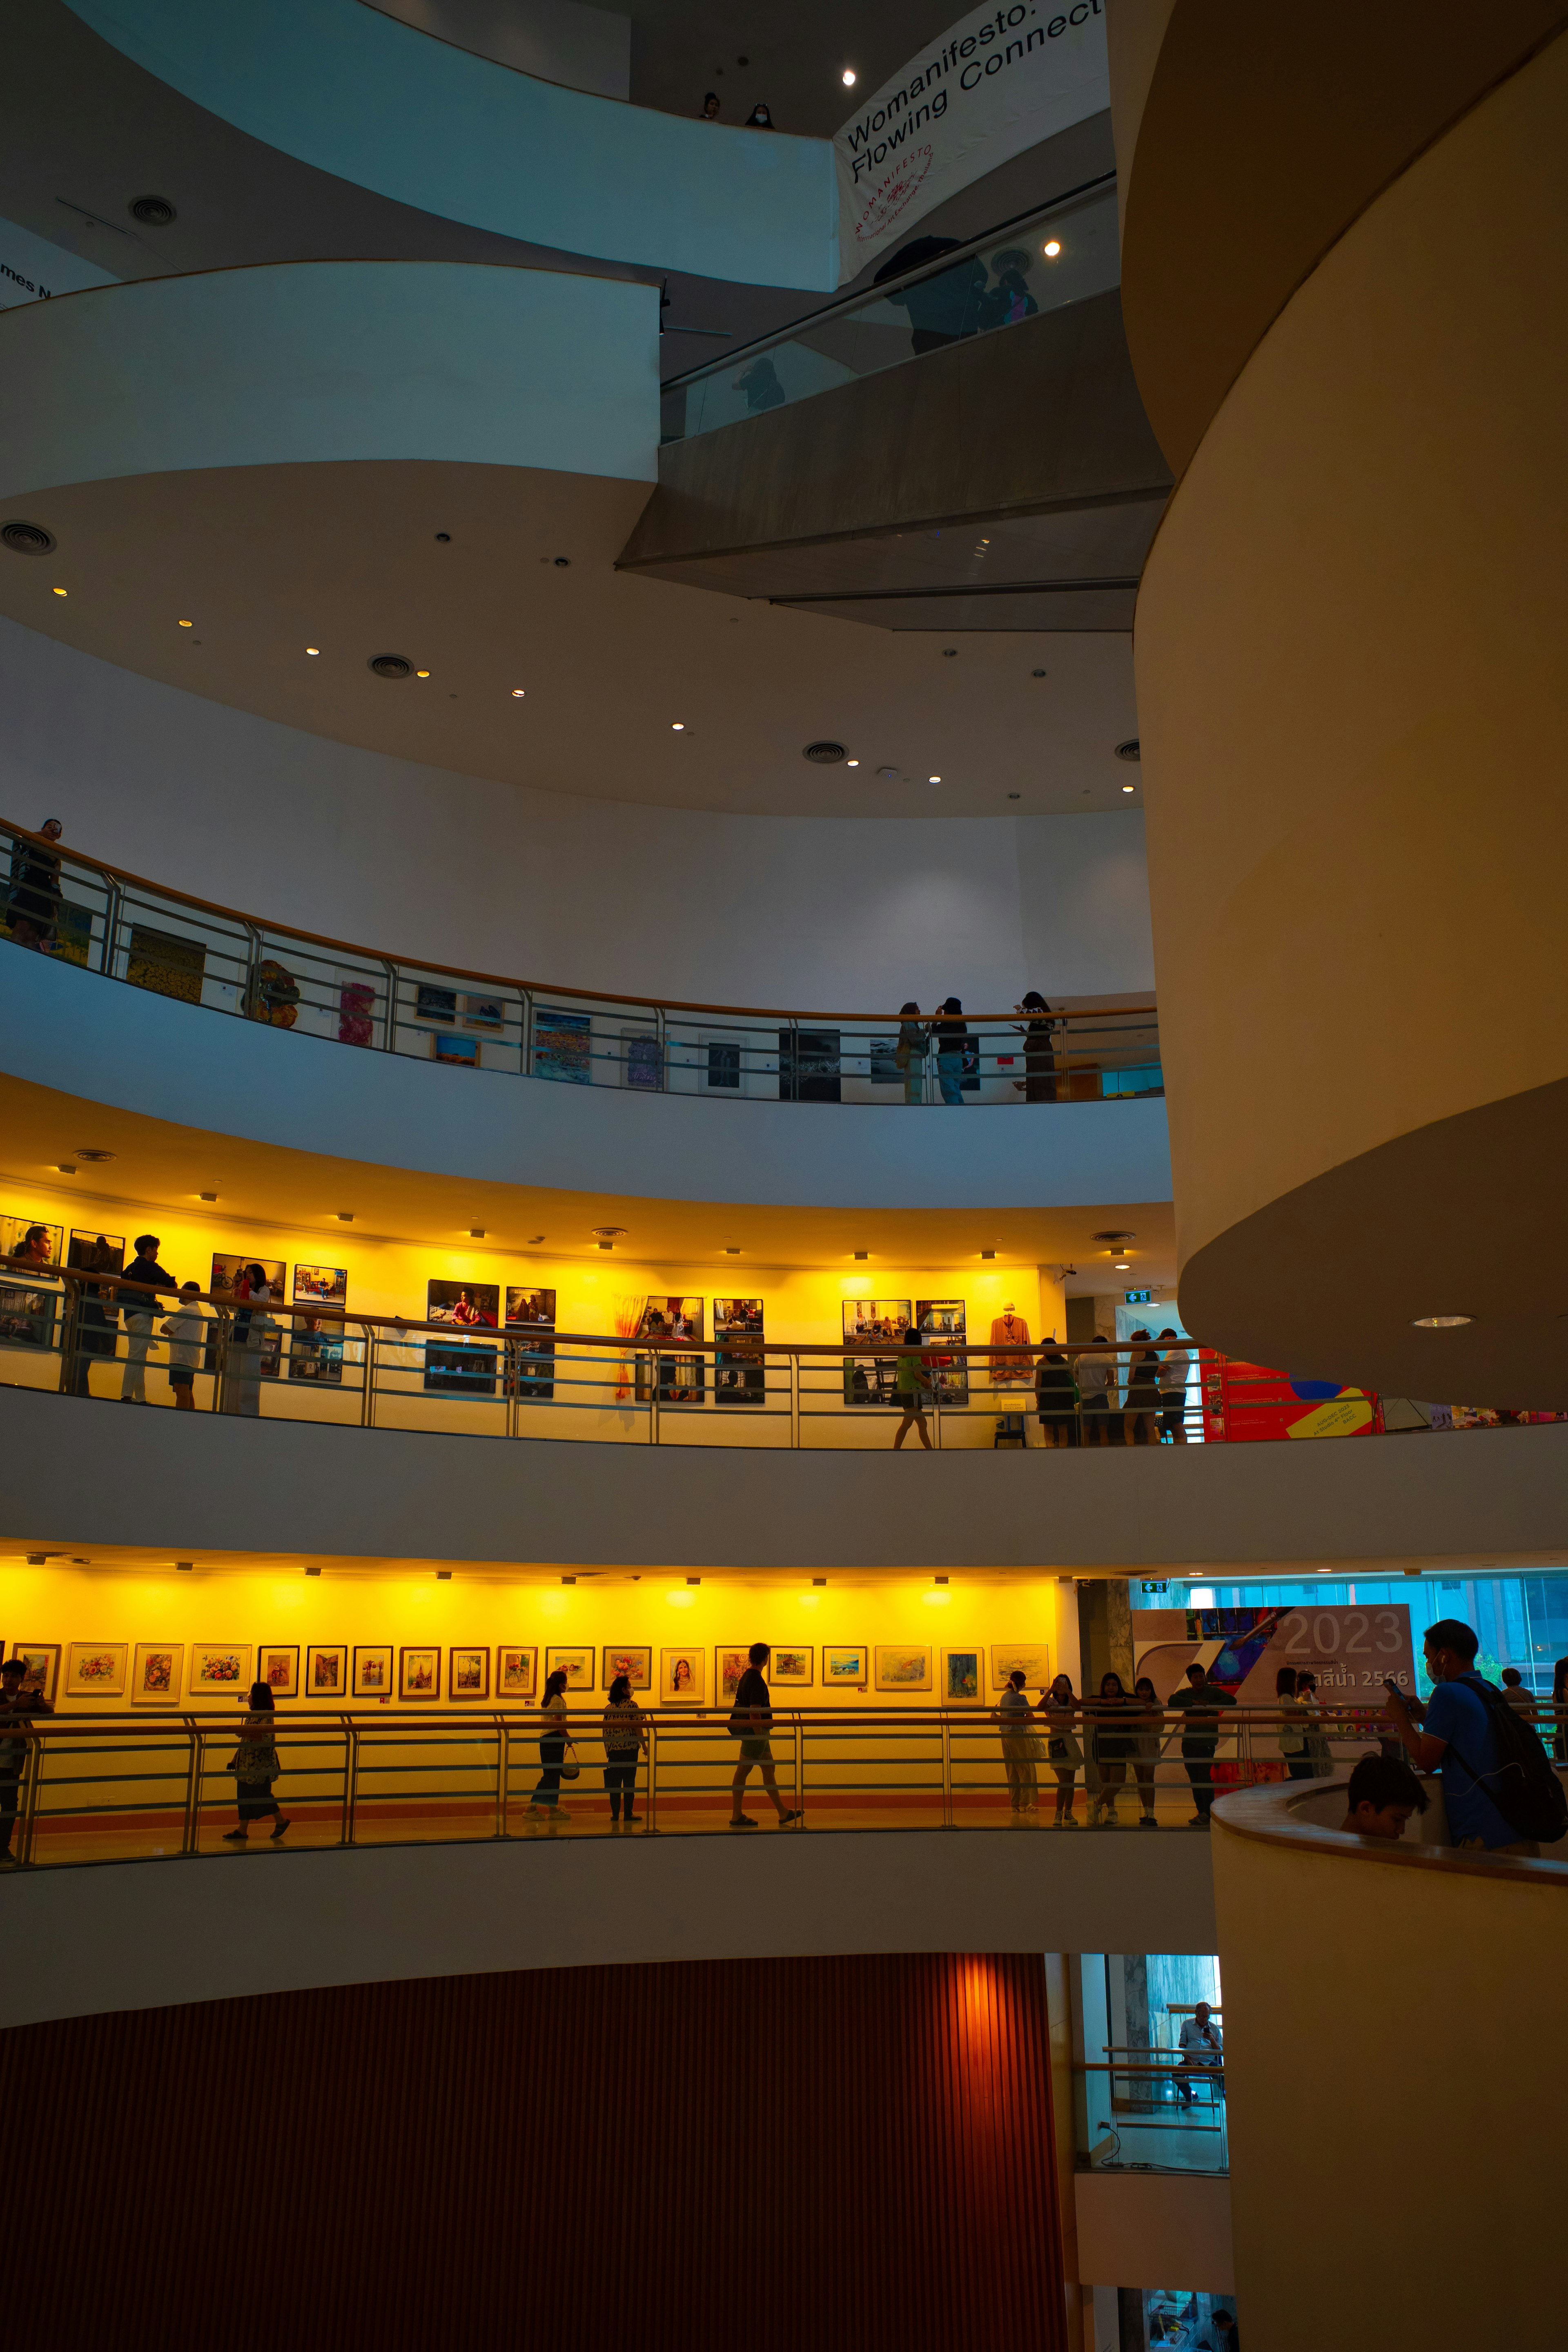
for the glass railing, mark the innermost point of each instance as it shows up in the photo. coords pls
(1043, 260)
(659, 1383)
(107, 922)
(99, 1787)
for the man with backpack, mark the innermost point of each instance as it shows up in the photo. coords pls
(1500, 1791)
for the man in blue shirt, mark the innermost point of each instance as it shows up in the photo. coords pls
(1456, 1738)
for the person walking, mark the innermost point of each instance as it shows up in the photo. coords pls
(751, 1720)
(1114, 1742)
(16, 1705)
(1057, 1397)
(1175, 1364)
(951, 1031)
(912, 1379)
(1149, 1719)
(1201, 1703)
(909, 1053)
(1038, 1032)
(545, 1800)
(625, 1742)
(138, 1310)
(1294, 1730)
(1059, 1708)
(1018, 1748)
(184, 1331)
(256, 1767)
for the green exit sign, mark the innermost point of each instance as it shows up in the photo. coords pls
(1138, 1297)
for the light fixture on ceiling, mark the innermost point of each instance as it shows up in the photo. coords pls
(344, 1216)
(848, 76)
(476, 1232)
(1129, 788)
(62, 592)
(933, 779)
(534, 1240)
(1131, 749)
(862, 1256)
(950, 652)
(819, 1580)
(312, 1571)
(153, 212)
(186, 1565)
(938, 1579)
(608, 1235)
(1013, 797)
(1051, 248)
(206, 1196)
(421, 673)
(443, 1576)
(91, 1151)
(677, 726)
(731, 1252)
(392, 666)
(1037, 673)
(26, 539)
(852, 763)
(1123, 1265)
(987, 1253)
(312, 651)
(65, 1166)
(694, 1580)
(1439, 1322)
(568, 1580)
(186, 624)
(518, 692)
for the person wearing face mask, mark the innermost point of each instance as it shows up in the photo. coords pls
(760, 119)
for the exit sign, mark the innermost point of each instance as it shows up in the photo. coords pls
(1138, 1297)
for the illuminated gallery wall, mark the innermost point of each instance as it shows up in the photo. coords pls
(138, 1639)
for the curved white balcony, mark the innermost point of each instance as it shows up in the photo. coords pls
(371, 99)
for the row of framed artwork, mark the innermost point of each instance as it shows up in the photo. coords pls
(155, 1673)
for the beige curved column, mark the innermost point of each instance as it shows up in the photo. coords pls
(1353, 704)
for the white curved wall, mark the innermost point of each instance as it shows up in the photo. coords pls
(308, 362)
(826, 914)
(359, 94)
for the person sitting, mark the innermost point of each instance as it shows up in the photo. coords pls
(1382, 1796)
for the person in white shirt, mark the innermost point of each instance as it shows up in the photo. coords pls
(1093, 1376)
(1202, 2051)
(1174, 1365)
(184, 1330)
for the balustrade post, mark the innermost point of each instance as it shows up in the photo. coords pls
(503, 1770)
(794, 1360)
(389, 1029)
(220, 1386)
(650, 1803)
(946, 1772)
(513, 1387)
(653, 1400)
(528, 1033)
(367, 1378)
(112, 903)
(800, 1764)
(190, 1841)
(70, 1337)
(32, 1771)
(252, 963)
(350, 1780)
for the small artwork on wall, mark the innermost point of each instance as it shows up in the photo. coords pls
(1034, 1657)
(637, 1664)
(277, 1665)
(327, 1670)
(469, 1674)
(963, 1677)
(155, 1673)
(739, 1373)
(95, 1670)
(902, 1668)
(729, 1663)
(484, 1013)
(460, 1052)
(790, 1664)
(419, 1673)
(682, 1675)
(873, 1379)
(516, 1672)
(577, 1665)
(844, 1665)
(34, 1244)
(324, 1286)
(435, 1004)
(231, 1276)
(91, 1252)
(472, 1305)
(219, 1669)
(373, 1670)
(42, 1661)
(563, 1047)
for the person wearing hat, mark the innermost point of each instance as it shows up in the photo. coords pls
(16, 1706)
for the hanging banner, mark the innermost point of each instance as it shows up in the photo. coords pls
(999, 81)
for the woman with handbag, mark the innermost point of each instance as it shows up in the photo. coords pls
(255, 1767)
(553, 1745)
(1059, 1708)
(1019, 1746)
(625, 1742)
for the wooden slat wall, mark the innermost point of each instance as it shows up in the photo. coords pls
(754, 2157)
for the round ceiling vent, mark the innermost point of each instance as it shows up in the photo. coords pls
(1129, 750)
(390, 665)
(823, 755)
(27, 538)
(153, 212)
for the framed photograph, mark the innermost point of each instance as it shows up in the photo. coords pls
(963, 1677)
(484, 1013)
(939, 1319)
(165, 963)
(533, 1310)
(579, 1665)
(642, 1061)
(563, 1047)
(529, 1309)
(846, 1665)
(219, 1669)
(791, 1664)
(461, 1370)
(39, 1245)
(419, 1673)
(682, 1675)
(277, 1665)
(91, 1252)
(739, 1373)
(95, 1670)
(433, 1003)
(229, 1280)
(902, 1668)
(155, 1673)
(468, 1674)
(517, 1673)
(729, 1663)
(471, 1306)
(327, 1671)
(463, 1053)
(316, 1352)
(873, 1379)
(373, 1670)
(665, 1322)
(325, 1286)
(1035, 1658)
(42, 1660)
(635, 1664)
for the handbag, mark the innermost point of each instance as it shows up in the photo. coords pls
(570, 1770)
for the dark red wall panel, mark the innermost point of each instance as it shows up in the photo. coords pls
(753, 2157)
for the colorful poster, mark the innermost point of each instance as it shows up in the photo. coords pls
(1246, 1400)
(1348, 1650)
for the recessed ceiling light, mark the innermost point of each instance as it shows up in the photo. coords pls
(312, 650)
(1439, 1322)
(987, 1253)
(1051, 248)
(421, 673)
(206, 1196)
(731, 1252)
(677, 726)
(1123, 1265)
(1129, 788)
(187, 624)
(848, 76)
(476, 1232)
(1013, 797)
(933, 779)
(852, 763)
(62, 592)
(862, 1254)
(344, 1216)
(518, 692)
(65, 1166)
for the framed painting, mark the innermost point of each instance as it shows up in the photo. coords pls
(563, 1047)
(155, 1671)
(460, 1053)
(373, 1670)
(532, 1368)
(729, 1663)
(327, 1670)
(517, 1671)
(939, 1319)
(845, 1665)
(316, 1352)
(962, 1680)
(484, 1013)
(642, 1061)
(277, 1665)
(791, 1665)
(219, 1669)
(95, 1670)
(579, 1664)
(902, 1668)
(325, 1286)
(873, 1379)
(419, 1673)
(91, 1252)
(683, 1676)
(1035, 1658)
(166, 963)
(469, 1674)
(36, 1245)
(471, 1305)
(635, 1664)
(42, 1660)
(738, 1368)
(433, 1003)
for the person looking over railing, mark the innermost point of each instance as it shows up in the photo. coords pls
(1059, 1708)
(1382, 1796)
(96, 1321)
(33, 910)
(1174, 1365)
(951, 1031)
(1018, 1755)
(1057, 1397)
(1200, 1702)
(1114, 1741)
(138, 1310)
(242, 1388)
(16, 1706)
(1140, 1419)
(1149, 1720)
(909, 1053)
(1458, 1735)
(1039, 1083)
(184, 1331)
(1093, 1375)
(1298, 1765)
